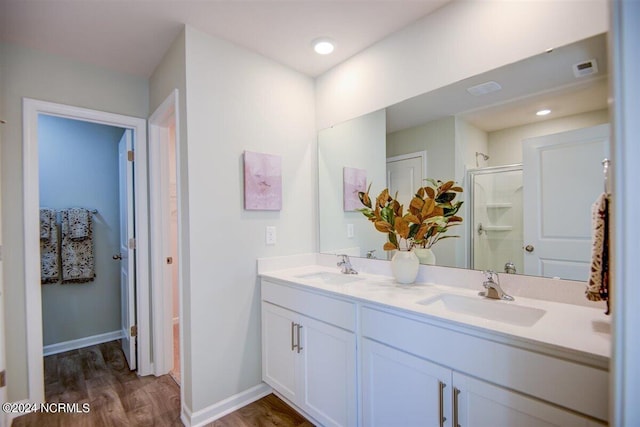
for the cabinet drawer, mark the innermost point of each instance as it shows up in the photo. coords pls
(563, 382)
(330, 310)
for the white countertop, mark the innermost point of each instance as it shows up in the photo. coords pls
(566, 330)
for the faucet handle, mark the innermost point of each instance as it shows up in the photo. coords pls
(489, 275)
(344, 258)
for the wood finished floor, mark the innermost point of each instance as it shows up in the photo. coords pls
(99, 375)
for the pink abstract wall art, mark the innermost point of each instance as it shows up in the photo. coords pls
(262, 181)
(354, 180)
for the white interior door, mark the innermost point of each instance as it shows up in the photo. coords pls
(562, 177)
(405, 174)
(127, 262)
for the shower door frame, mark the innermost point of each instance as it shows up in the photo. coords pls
(471, 174)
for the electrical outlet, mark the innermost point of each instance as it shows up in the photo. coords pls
(350, 231)
(270, 235)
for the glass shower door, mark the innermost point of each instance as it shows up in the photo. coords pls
(496, 219)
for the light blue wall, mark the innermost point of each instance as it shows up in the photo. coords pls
(79, 167)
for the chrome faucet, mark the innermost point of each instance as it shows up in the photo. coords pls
(493, 289)
(510, 268)
(371, 254)
(345, 265)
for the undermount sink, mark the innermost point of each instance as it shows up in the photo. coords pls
(330, 278)
(490, 309)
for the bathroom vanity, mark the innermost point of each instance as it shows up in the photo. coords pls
(360, 350)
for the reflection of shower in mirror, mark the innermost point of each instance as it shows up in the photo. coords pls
(485, 157)
(496, 218)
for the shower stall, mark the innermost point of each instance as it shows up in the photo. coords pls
(496, 226)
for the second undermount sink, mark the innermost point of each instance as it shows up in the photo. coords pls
(330, 278)
(490, 309)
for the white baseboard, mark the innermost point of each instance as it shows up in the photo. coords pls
(61, 347)
(224, 407)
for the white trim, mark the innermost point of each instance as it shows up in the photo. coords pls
(61, 347)
(624, 58)
(162, 304)
(224, 407)
(31, 109)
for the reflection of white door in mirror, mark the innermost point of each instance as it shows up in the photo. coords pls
(405, 174)
(562, 176)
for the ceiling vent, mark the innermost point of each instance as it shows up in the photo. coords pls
(484, 88)
(585, 68)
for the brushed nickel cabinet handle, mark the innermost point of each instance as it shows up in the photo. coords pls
(456, 392)
(299, 346)
(293, 326)
(442, 418)
(117, 256)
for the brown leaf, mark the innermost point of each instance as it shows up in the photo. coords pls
(383, 198)
(428, 207)
(455, 219)
(412, 219)
(437, 211)
(445, 187)
(420, 193)
(383, 226)
(457, 189)
(430, 192)
(421, 231)
(402, 227)
(416, 204)
(388, 246)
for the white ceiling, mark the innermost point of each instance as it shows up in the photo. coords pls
(132, 36)
(542, 81)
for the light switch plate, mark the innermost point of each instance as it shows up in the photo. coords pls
(270, 235)
(350, 231)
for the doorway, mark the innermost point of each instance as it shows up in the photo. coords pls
(136, 128)
(165, 217)
(86, 211)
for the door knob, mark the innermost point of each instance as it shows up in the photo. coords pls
(117, 256)
(529, 248)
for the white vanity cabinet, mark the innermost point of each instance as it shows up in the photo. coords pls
(310, 358)
(400, 389)
(412, 376)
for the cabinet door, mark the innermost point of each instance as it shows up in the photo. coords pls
(328, 366)
(481, 404)
(278, 357)
(400, 389)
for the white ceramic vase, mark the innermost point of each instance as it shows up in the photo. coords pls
(404, 266)
(426, 256)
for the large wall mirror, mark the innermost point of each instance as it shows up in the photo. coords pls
(529, 179)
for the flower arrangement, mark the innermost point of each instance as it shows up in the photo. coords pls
(431, 213)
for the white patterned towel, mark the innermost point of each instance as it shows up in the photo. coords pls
(79, 223)
(47, 218)
(49, 251)
(598, 286)
(78, 263)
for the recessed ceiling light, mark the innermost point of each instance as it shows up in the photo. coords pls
(543, 112)
(323, 46)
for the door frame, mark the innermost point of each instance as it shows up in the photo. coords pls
(159, 219)
(31, 198)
